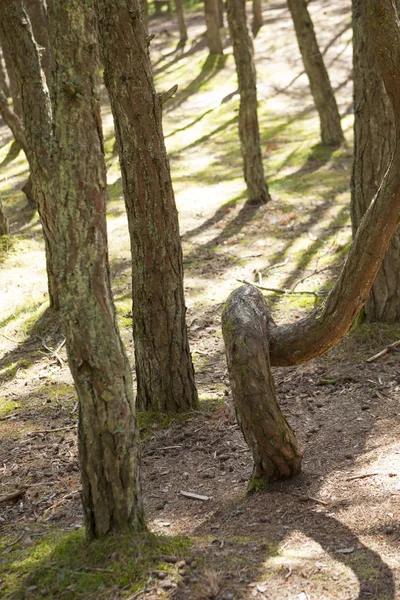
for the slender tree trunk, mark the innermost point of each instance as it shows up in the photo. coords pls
(14, 88)
(213, 35)
(275, 450)
(321, 89)
(249, 331)
(181, 22)
(13, 122)
(3, 77)
(374, 143)
(221, 8)
(257, 190)
(164, 369)
(36, 118)
(257, 17)
(4, 228)
(37, 14)
(108, 434)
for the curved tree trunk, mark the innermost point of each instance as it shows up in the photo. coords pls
(164, 369)
(321, 89)
(257, 17)
(374, 143)
(246, 322)
(107, 434)
(275, 450)
(180, 13)
(257, 190)
(36, 118)
(214, 41)
(14, 88)
(37, 14)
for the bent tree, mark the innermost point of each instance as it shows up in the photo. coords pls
(165, 375)
(107, 433)
(254, 342)
(374, 142)
(249, 133)
(320, 85)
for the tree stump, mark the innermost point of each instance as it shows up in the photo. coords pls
(276, 452)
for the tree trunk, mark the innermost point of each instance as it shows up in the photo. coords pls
(257, 190)
(14, 88)
(4, 228)
(257, 17)
(213, 35)
(321, 89)
(164, 369)
(37, 14)
(181, 22)
(221, 8)
(374, 143)
(108, 434)
(246, 322)
(3, 78)
(36, 118)
(274, 447)
(144, 6)
(13, 122)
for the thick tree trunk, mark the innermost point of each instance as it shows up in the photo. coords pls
(36, 10)
(214, 41)
(275, 450)
(108, 434)
(321, 89)
(164, 369)
(257, 190)
(4, 228)
(374, 143)
(14, 88)
(36, 118)
(257, 17)
(247, 324)
(180, 14)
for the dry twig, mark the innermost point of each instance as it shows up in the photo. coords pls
(386, 350)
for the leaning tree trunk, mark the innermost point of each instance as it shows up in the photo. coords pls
(107, 433)
(14, 87)
(257, 17)
(320, 85)
(257, 190)
(180, 13)
(249, 332)
(36, 117)
(36, 10)
(213, 35)
(374, 143)
(165, 376)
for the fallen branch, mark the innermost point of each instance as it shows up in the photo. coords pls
(363, 476)
(194, 496)
(13, 543)
(283, 292)
(46, 431)
(386, 350)
(52, 508)
(12, 496)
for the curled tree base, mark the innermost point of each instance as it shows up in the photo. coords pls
(275, 450)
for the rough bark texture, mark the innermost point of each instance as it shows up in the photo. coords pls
(374, 143)
(108, 435)
(257, 190)
(214, 41)
(246, 322)
(321, 89)
(3, 77)
(36, 118)
(14, 89)
(4, 228)
(36, 10)
(180, 14)
(13, 122)
(257, 17)
(164, 369)
(275, 450)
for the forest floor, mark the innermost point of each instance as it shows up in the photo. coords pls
(333, 533)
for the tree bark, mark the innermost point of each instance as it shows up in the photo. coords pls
(374, 143)
(257, 190)
(164, 369)
(321, 89)
(3, 78)
(38, 17)
(247, 324)
(4, 227)
(275, 450)
(257, 17)
(13, 122)
(180, 14)
(36, 118)
(14, 88)
(213, 35)
(108, 434)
